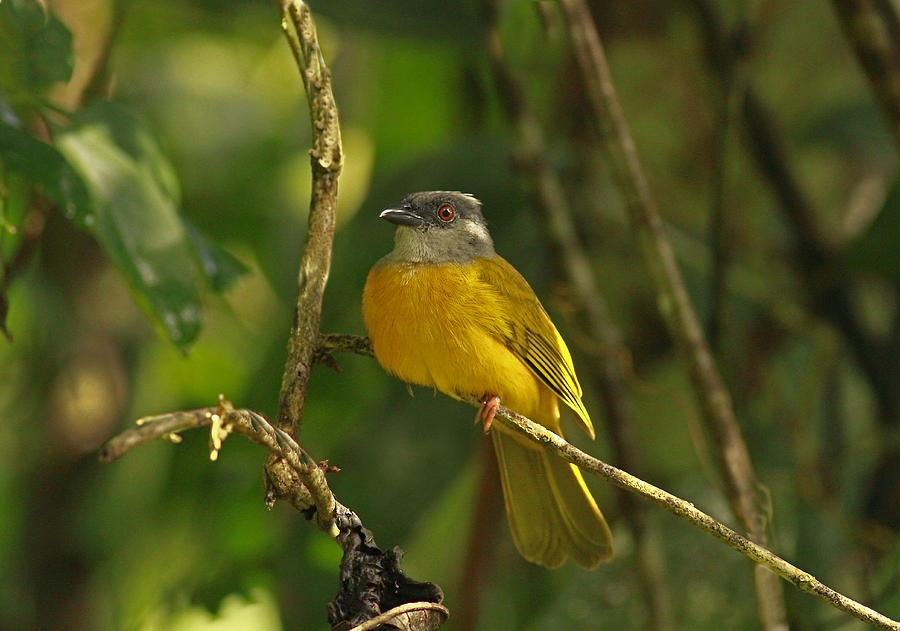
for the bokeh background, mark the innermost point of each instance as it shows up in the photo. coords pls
(166, 540)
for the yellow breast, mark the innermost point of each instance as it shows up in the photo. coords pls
(430, 324)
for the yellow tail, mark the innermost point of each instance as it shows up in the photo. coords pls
(552, 515)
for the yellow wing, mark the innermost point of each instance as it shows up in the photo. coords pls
(525, 329)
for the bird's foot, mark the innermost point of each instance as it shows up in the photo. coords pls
(487, 411)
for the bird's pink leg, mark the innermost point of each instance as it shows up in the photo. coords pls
(487, 411)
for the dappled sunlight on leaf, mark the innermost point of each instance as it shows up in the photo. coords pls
(136, 218)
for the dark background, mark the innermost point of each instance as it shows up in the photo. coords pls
(165, 540)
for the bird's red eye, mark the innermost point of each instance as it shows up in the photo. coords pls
(446, 212)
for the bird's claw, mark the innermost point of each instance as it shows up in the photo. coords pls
(487, 411)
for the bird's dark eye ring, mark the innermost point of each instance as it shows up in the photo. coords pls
(446, 213)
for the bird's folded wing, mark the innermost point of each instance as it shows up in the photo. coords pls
(524, 327)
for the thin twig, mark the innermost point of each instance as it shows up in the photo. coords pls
(682, 321)
(371, 579)
(331, 342)
(687, 511)
(339, 342)
(550, 200)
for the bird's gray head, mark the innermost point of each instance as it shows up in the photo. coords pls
(439, 226)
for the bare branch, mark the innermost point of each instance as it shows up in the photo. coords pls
(371, 579)
(687, 511)
(255, 427)
(327, 160)
(155, 427)
(314, 491)
(683, 324)
(550, 200)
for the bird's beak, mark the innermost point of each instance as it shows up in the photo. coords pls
(401, 216)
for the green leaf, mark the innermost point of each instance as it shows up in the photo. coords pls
(129, 132)
(135, 215)
(877, 251)
(45, 167)
(35, 47)
(220, 267)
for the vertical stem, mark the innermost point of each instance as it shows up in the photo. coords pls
(735, 464)
(327, 159)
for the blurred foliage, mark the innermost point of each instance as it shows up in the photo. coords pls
(140, 143)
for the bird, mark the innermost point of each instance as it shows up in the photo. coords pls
(445, 311)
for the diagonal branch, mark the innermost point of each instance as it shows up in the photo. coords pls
(735, 463)
(592, 314)
(677, 506)
(687, 511)
(223, 419)
(259, 430)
